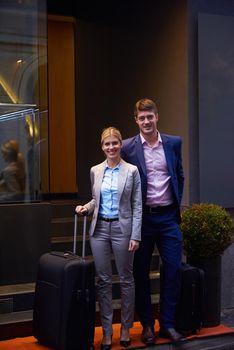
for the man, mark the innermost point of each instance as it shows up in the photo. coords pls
(158, 158)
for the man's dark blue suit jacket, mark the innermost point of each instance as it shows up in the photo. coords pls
(132, 152)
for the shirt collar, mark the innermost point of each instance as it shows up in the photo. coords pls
(116, 167)
(144, 141)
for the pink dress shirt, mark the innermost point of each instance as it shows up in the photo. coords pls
(158, 179)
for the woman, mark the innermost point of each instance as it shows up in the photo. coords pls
(115, 227)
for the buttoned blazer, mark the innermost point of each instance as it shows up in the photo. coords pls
(132, 152)
(129, 198)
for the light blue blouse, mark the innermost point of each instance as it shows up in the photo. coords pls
(109, 193)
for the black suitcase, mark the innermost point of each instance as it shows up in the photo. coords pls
(188, 319)
(64, 304)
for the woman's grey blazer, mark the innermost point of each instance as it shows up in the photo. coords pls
(129, 197)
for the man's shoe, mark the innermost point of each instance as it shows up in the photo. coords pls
(148, 336)
(170, 333)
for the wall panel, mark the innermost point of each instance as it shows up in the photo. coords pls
(61, 84)
(216, 104)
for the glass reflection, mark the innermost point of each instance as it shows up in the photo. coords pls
(23, 102)
(20, 161)
(13, 176)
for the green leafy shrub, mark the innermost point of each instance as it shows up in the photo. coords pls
(207, 230)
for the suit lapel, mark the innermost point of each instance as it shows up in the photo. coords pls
(140, 154)
(123, 173)
(98, 181)
(168, 153)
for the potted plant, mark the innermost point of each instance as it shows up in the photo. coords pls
(207, 231)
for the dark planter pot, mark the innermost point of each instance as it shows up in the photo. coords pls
(212, 288)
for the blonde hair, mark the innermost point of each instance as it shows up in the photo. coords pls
(111, 131)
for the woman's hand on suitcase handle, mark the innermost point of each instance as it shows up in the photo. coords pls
(81, 210)
(133, 245)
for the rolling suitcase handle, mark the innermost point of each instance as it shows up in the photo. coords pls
(84, 235)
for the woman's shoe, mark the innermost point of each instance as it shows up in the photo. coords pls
(106, 346)
(125, 343)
